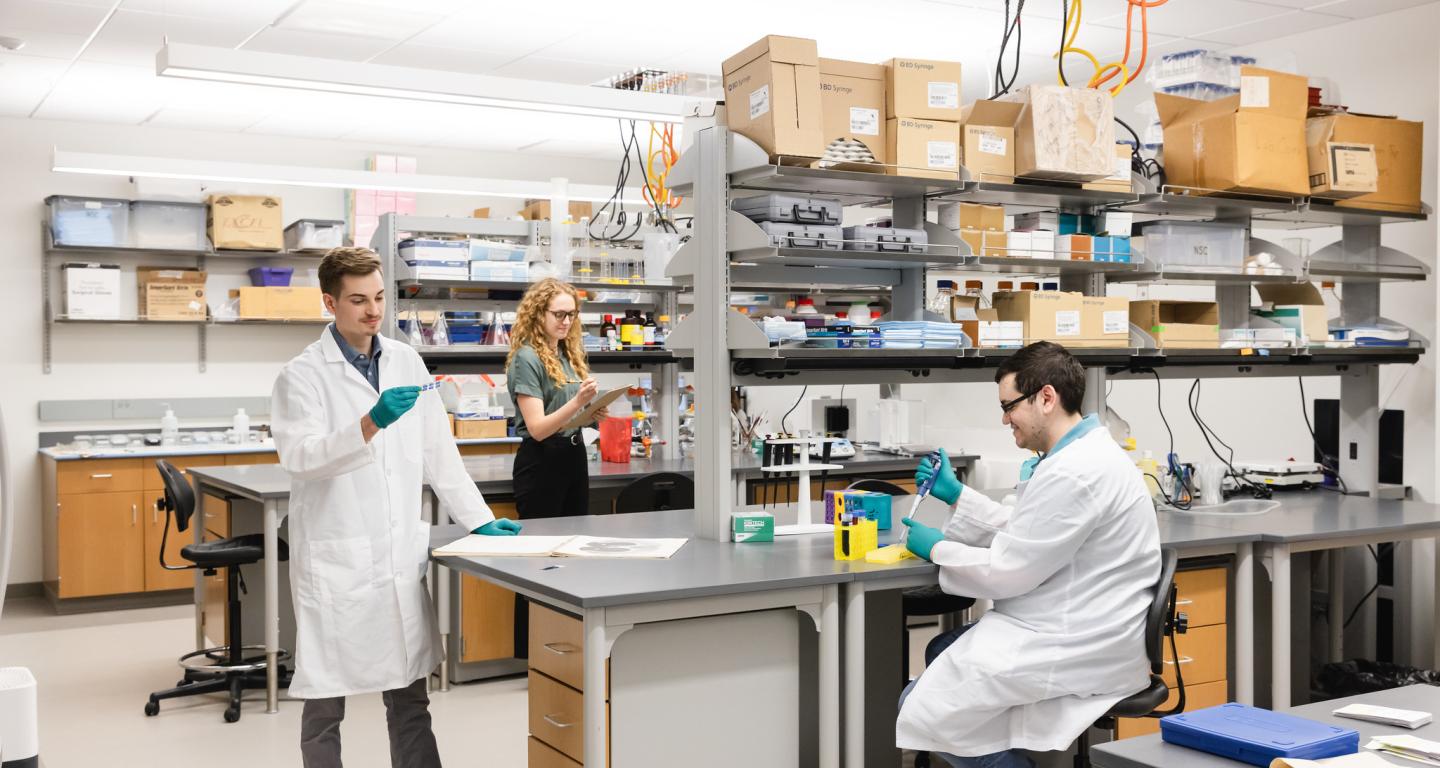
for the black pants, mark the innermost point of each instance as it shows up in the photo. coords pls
(552, 479)
(407, 715)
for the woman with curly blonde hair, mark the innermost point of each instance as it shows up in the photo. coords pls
(549, 382)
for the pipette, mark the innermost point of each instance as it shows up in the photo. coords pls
(922, 491)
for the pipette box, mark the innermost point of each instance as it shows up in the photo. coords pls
(786, 235)
(875, 506)
(797, 209)
(892, 239)
(1257, 736)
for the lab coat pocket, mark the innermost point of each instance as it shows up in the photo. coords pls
(422, 554)
(341, 567)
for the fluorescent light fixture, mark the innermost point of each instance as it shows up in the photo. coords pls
(331, 178)
(198, 62)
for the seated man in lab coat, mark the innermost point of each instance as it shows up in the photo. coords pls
(358, 436)
(1070, 568)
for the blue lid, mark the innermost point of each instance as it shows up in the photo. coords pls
(1256, 735)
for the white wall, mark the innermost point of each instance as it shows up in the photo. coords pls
(149, 362)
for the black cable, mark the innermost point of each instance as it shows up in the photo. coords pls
(1064, 25)
(1333, 465)
(1206, 431)
(1160, 406)
(1361, 604)
(1012, 27)
(1181, 505)
(616, 202)
(784, 428)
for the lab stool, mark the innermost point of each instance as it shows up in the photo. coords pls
(222, 668)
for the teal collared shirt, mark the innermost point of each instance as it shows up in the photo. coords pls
(1076, 432)
(367, 365)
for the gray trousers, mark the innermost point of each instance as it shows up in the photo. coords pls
(407, 713)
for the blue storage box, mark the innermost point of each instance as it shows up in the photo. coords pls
(488, 250)
(89, 220)
(271, 276)
(1257, 736)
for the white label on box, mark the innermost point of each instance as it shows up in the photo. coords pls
(1200, 251)
(92, 205)
(991, 144)
(1116, 322)
(759, 101)
(1122, 169)
(944, 95)
(864, 122)
(1255, 91)
(940, 154)
(1067, 323)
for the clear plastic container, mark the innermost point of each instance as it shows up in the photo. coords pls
(1194, 244)
(940, 302)
(161, 224)
(89, 220)
(314, 235)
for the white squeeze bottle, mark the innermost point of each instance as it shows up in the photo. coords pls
(241, 426)
(169, 427)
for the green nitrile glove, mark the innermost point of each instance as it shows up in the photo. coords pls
(947, 486)
(921, 538)
(498, 527)
(393, 404)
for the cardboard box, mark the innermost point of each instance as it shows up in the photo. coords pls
(539, 210)
(1001, 334)
(1047, 315)
(480, 213)
(1104, 322)
(1178, 324)
(171, 294)
(965, 312)
(925, 148)
(987, 138)
(276, 303)
(1074, 247)
(852, 105)
(922, 89)
(772, 89)
(1064, 134)
(986, 217)
(1119, 180)
(1042, 245)
(245, 222)
(1019, 245)
(1399, 149)
(1252, 142)
(473, 429)
(1297, 306)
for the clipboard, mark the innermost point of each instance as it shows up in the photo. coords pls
(586, 416)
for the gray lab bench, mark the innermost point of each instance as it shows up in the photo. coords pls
(1151, 752)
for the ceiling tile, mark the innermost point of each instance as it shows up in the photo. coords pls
(434, 57)
(1275, 27)
(296, 43)
(202, 119)
(1185, 19)
(556, 70)
(49, 29)
(105, 93)
(475, 30)
(132, 37)
(27, 79)
(300, 126)
(1357, 9)
(381, 21)
(250, 11)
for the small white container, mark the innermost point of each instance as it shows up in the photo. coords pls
(314, 235)
(92, 290)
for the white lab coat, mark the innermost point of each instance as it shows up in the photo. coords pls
(1070, 568)
(358, 546)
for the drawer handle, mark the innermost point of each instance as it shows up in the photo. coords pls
(1184, 602)
(103, 476)
(551, 720)
(1183, 660)
(134, 514)
(561, 649)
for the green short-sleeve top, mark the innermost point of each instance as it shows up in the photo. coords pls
(526, 376)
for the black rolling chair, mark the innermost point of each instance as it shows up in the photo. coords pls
(662, 490)
(223, 668)
(1161, 622)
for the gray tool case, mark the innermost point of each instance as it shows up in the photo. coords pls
(892, 239)
(788, 235)
(799, 209)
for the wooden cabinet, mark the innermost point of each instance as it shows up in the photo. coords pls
(557, 685)
(489, 449)
(1202, 596)
(107, 528)
(487, 612)
(156, 577)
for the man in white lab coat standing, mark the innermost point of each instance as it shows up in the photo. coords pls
(1070, 566)
(358, 436)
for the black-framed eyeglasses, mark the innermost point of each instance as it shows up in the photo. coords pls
(562, 316)
(1006, 408)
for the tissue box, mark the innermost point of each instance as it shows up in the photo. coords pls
(752, 527)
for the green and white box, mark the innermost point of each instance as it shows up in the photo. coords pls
(752, 526)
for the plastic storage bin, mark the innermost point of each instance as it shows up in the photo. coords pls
(89, 220)
(162, 224)
(271, 276)
(786, 235)
(1257, 736)
(314, 235)
(892, 239)
(1194, 244)
(797, 209)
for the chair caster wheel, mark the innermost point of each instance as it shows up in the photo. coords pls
(232, 714)
(152, 708)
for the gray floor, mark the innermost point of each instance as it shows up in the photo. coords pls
(95, 669)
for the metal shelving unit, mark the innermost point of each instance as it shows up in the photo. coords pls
(724, 253)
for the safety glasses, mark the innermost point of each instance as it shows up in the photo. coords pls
(562, 316)
(1006, 408)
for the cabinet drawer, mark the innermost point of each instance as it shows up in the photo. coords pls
(557, 715)
(1203, 656)
(1196, 697)
(1201, 595)
(152, 474)
(99, 476)
(233, 459)
(542, 755)
(557, 645)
